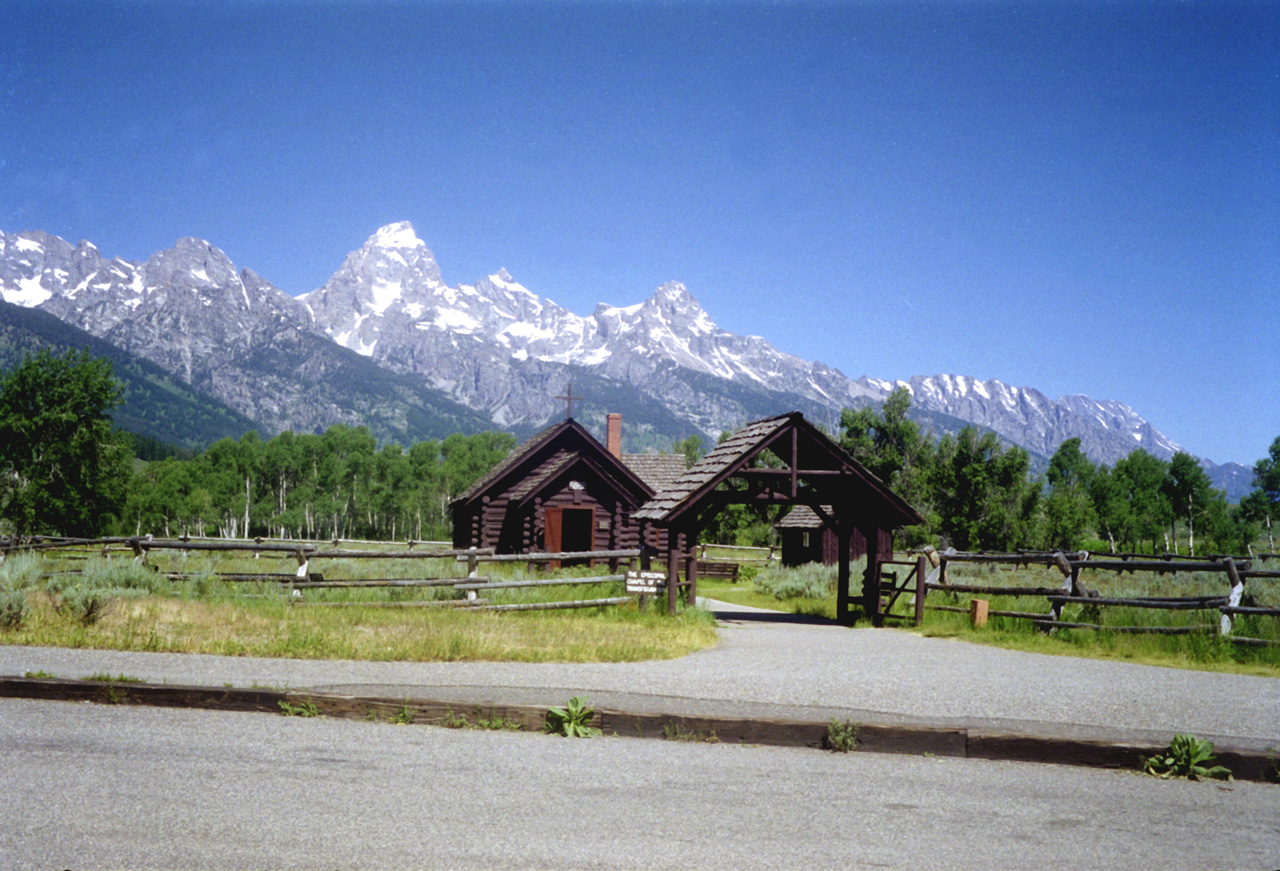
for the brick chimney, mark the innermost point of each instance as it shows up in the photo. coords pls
(613, 438)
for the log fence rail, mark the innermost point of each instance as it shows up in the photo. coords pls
(305, 553)
(1073, 591)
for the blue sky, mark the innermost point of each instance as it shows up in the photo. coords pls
(1081, 197)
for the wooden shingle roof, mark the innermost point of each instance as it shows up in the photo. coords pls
(517, 454)
(802, 517)
(560, 461)
(546, 454)
(814, 462)
(657, 470)
(703, 472)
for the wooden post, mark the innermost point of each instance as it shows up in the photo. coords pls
(646, 559)
(691, 576)
(1233, 600)
(1068, 585)
(139, 551)
(978, 612)
(473, 569)
(871, 579)
(843, 597)
(674, 541)
(921, 588)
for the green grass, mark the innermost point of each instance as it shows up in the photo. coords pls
(1207, 651)
(139, 609)
(115, 605)
(1204, 651)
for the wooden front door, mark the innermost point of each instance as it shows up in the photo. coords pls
(570, 530)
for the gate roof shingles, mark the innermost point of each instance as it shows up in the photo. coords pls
(818, 452)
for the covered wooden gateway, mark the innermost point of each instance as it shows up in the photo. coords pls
(808, 469)
(560, 491)
(805, 539)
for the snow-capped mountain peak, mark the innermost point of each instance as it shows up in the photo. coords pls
(392, 275)
(498, 346)
(398, 235)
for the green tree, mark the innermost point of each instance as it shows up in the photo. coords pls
(984, 497)
(430, 502)
(1140, 479)
(1069, 509)
(159, 499)
(338, 484)
(466, 458)
(1110, 507)
(65, 469)
(892, 447)
(1263, 504)
(691, 448)
(1190, 493)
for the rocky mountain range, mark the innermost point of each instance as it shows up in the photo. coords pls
(385, 342)
(227, 333)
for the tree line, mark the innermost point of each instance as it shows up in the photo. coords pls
(65, 470)
(977, 494)
(338, 484)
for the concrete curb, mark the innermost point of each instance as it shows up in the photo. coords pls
(961, 741)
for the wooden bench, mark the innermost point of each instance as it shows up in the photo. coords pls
(713, 569)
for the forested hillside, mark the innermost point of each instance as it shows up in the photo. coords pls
(154, 404)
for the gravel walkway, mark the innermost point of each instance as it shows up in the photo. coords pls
(768, 666)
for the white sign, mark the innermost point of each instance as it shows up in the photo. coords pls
(646, 583)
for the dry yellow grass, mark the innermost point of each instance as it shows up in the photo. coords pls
(275, 628)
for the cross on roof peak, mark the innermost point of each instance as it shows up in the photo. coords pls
(569, 399)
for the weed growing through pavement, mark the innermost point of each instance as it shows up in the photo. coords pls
(305, 708)
(114, 678)
(842, 735)
(1186, 756)
(572, 720)
(497, 723)
(492, 722)
(450, 720)
(113, 695)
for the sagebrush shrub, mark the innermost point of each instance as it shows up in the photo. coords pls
(13, 608)
(809, 581)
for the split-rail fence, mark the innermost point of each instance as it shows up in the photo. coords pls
(308, 554)
(927, 574)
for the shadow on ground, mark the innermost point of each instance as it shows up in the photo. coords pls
(732, 616)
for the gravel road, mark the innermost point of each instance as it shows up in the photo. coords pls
(768, 667)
